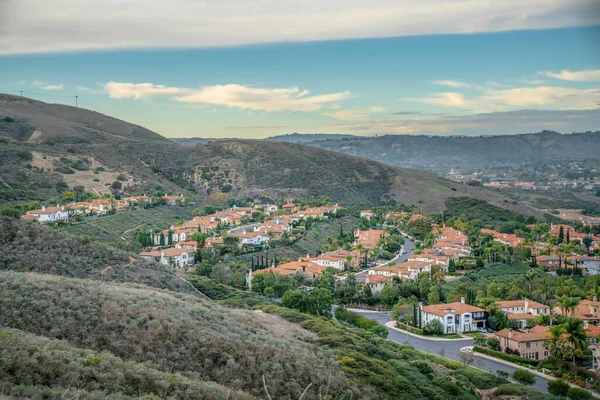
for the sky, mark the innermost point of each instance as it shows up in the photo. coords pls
(244, 69)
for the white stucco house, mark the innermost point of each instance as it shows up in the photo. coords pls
(174, 256)
(456, 317)
(48, 214)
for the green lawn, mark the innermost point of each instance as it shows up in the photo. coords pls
(109, 229)
(504, 273)
(310, 243)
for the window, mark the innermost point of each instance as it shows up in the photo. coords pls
(527, 345)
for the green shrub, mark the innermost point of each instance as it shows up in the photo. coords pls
(358, 321)
(576, 393)
(434, 327)
(558, 387)
(524, 377)
(509, 390)
(504, 356)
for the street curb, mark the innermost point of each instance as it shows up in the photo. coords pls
(392, 325)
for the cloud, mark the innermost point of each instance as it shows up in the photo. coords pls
(447, 99)
(565, 75)
(354, 114)
(230, 95)
(495, 123)
(489, 100)
(120, 90)
(42, 85)
(81, 25)
(454, 84)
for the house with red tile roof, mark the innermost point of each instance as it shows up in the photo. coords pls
(48, 214)
(529, 343)
(522, 311)
(174, 256)
(456, 317)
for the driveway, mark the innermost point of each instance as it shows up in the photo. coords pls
(448, 349)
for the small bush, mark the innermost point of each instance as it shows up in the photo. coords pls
(575, 393)
(558, 387)
(509, 390)
(524, 377)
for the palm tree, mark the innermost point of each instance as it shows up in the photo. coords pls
(530, 277)
(543, 319)
(488, 303)
(555, 336)
(575, 335)
(572, 304)
(568, 304)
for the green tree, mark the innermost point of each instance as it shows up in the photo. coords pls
(199, 238)
(162, 239)
(388, 296)
(434, 327)
(170, 238)
(561, 235)
(434, 295)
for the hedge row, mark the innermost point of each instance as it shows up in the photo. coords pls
(409, 328)
(354, 319)
(507, 357)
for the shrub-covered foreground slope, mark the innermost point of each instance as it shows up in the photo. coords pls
(174, 333)
(36, 367)
(28, 247)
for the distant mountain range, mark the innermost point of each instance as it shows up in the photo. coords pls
(462, 151)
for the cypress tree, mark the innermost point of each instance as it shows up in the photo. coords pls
(162, 239)
(568, 237)
(415, 315)
(561, 235)
(170, 238)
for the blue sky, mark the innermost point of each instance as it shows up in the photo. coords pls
(490, 82)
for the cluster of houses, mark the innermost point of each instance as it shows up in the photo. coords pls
(181, 247)
(589, 265)
(99, 207)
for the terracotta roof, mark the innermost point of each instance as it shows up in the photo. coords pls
(451, 308)
(536, 333)
(374, 279)
(520, 303)
(47, 210)
(520, 316)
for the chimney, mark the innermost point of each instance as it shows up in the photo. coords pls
(526, 306)
(595, 299)
(420, 305)
(43, 208)
(510, 333)
(585, 324)
(462, 300)
(162, 253)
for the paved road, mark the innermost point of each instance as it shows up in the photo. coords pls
(409, 247)
(449, 349)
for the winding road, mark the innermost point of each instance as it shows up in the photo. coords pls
(448, 348)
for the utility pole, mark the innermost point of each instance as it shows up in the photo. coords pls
(21, 93)
(76, 100)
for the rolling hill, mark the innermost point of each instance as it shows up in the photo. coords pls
(49, 148)
(462, 151)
